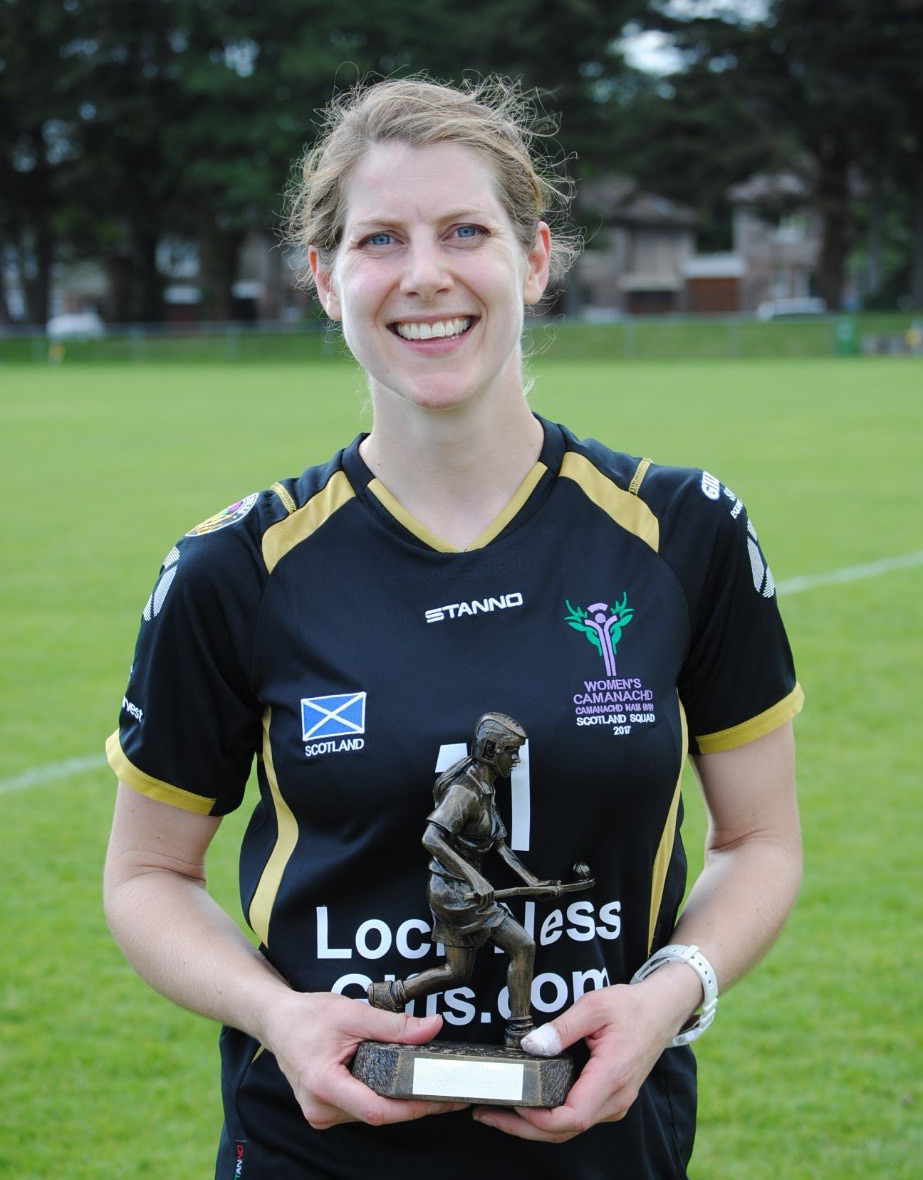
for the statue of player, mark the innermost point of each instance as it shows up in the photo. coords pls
(461, 831)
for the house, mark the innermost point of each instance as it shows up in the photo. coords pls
(776, 240)
(637, 245)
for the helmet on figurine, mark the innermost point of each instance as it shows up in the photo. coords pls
(496, 739)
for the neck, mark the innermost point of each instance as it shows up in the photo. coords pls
(454, 469)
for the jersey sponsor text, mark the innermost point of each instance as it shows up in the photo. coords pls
(457, 610)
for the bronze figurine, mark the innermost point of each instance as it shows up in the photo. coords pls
(462, 829)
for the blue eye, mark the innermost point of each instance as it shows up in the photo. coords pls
(467, 231)
(380, 239)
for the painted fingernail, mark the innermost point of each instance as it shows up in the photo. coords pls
(543, 1041)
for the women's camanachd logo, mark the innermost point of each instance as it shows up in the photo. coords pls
(602, 625)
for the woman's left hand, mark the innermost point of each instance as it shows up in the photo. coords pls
(626, 1029)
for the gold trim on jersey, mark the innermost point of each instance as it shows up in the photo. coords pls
(154, 788)
(638, 478)
(756, 727)
(282, 537)
(493, 530)
(405, 518)
(625, 508)
(282, 492)
(667, 840)
(267, 889)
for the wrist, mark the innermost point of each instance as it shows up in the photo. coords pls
(273, 1010)
(693, 963)
(676, 992)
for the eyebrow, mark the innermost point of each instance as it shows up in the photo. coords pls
(390, 222)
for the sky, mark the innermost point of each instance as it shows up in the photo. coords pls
(652, 51)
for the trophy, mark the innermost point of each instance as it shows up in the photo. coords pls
(461, 831)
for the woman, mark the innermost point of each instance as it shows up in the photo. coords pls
(347, 626)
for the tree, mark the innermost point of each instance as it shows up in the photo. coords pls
(39, 118)
(827, 95)
(125, 123)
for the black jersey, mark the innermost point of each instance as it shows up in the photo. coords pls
(623, 613)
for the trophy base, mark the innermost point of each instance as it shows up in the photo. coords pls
(450, 1072)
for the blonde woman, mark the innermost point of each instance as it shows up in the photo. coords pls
(347, 627)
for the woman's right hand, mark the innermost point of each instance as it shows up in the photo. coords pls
(315, 1035)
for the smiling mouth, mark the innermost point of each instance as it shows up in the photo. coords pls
(441, 330)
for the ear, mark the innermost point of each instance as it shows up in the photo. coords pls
(538, 261)
(323, 280)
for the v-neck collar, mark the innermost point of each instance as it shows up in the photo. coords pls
(525, 500)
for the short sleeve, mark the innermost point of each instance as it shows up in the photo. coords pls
(190, 723)
(738, 680)
(451, 812)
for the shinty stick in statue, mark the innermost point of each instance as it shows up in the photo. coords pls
(462, 829)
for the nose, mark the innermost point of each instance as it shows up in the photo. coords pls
(425, 273)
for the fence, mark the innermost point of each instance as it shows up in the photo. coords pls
(631, 338)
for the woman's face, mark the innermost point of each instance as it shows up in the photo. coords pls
(429, 279)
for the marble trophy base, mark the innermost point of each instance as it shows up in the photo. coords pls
(452, 1072)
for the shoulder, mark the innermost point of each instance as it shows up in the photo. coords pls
(247, 538)
(642, 496)
(686, 515)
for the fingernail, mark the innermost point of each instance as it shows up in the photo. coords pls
(543, 1041)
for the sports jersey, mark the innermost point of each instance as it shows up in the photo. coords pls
(622, 612)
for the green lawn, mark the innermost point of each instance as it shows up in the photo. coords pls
(812, 1068)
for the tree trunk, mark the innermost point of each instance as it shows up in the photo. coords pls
(5, 316)
(874, 267)
(916, 264)
(37, 247)
(833, 206)
(218, 256)
(149, 292)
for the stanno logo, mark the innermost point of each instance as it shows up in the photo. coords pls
(477, 606)
(602, 625)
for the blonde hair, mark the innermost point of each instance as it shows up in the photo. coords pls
(491, 116)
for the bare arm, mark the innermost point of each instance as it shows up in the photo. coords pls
(186, 947)
(509, 857)
(753, 854)
(734, 913)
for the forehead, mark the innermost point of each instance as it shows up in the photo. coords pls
(394, 181)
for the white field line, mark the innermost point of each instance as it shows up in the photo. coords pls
(851, 573)
(38, 776)
(41, 775)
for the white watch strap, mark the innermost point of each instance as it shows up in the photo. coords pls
(692, 957)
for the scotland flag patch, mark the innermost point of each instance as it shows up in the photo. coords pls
(341, 715)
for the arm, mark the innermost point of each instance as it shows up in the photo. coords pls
(509, 857)
(437, 846)
(734, 913)
(187, 948)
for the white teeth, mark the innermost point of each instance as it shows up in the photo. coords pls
(431, 331)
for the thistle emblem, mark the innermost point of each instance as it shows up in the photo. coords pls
(602, 625)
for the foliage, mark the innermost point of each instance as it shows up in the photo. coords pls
(834, 97)
(181, 117)
(127, 126)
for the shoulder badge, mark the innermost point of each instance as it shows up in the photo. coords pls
(230, 515)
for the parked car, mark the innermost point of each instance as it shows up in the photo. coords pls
(773, 309)
(76, 325)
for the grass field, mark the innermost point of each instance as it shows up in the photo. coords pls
(812, 1070)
